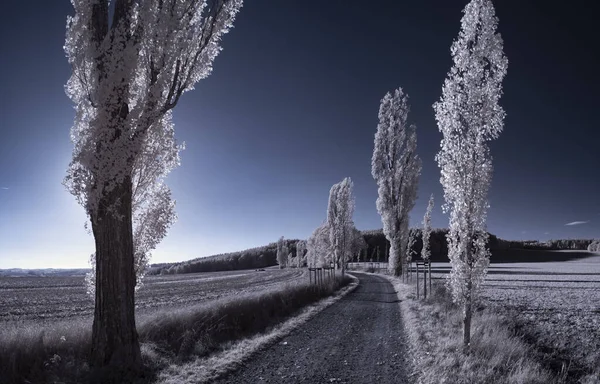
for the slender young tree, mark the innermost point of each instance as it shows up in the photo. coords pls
(339, 221)
(281, 253)
(396, 167)
(426, 250)
(468, 116)
(300, 251)
(318, 247)
(285, 254)
(129, 69)
(410, 252)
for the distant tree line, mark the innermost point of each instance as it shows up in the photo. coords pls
(439, 246)
(551, 245)
(266, 256)
(254, 258)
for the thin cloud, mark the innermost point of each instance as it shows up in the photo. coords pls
(578, 222)
(5, 188)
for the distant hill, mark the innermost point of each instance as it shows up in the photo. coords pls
(265, 256)
(47, 272)
(502, 250)
(253, 258)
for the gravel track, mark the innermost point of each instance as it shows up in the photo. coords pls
(359, 339)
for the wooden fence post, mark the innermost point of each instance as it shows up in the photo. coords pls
(424, 280)
(429, 277)
(417, 280)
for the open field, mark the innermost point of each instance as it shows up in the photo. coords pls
(196, 316)
(47, 299)
(556, 305)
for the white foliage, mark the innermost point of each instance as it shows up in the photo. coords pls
(339, 220)
(125, 81)
(285, 252)
(468, 116)
(153, 210)
(90, 277)
(594, 246)
(300, 250)
(126, 78)
(396, 167)
(318, 246)
(281, 252)
(426, 250)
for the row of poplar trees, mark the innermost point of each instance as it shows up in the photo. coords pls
(468, 115)
(130, 66)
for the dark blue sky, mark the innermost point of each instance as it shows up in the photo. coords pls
(291, 108)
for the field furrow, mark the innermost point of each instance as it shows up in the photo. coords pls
(27, 300)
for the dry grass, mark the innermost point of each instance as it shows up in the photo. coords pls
(434, 328)
(203, 329)
(552, 306)
(59, 352)
(55, 353)
(205, 369)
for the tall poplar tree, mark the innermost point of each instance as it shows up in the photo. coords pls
(130, 65)
(469, 116)
(396, 167)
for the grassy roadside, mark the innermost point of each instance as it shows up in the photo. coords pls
(434, 328)
(202, 370)
(58, 353)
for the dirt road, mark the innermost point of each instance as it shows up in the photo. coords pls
(359, 339)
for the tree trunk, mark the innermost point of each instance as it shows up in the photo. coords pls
(467, 314)
(468, 303)
(343, 261)
(395, 258)
(115, 346)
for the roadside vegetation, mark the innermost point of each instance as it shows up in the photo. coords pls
(60, 352)
(497, 354)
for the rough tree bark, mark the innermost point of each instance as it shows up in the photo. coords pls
(396, 252)
(115, 345)
(467, 315)
(115, 353)
(176, 47)
(468, 300)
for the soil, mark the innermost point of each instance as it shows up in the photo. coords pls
(359, 339)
